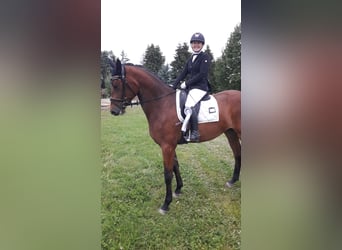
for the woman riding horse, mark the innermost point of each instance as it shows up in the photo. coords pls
(158, 102)
(198, 85)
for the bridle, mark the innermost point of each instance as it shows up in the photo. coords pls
(124, 102)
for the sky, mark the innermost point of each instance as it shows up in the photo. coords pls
(133, 25)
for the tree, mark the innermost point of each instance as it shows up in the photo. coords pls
(165, 73)
(153, 59)
(105, 66)
(106, 69)
(228, 67)
(211, 76)
(219, 83)
(181, 57)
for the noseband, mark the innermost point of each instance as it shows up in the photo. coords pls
(124, 102)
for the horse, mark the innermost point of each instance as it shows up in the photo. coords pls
(158, 101)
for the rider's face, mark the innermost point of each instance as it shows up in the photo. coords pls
(196, 46)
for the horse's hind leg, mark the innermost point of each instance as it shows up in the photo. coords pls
(235, 144)
(178, 177)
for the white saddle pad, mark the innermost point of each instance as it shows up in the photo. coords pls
(209, 111)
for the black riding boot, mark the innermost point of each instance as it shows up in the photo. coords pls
(194, 136)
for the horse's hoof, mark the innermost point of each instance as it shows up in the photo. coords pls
(228, 184)
(162, 211)
(176, 195)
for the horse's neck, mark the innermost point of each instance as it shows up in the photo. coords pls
(152, 93)
(149, 87)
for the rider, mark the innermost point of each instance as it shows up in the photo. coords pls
(198, 85)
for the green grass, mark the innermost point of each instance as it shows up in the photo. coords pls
(205, 216)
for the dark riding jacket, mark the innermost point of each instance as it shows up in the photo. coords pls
(198, 70)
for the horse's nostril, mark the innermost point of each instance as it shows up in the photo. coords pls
(113, 112)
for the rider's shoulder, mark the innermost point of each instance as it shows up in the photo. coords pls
(205, 56)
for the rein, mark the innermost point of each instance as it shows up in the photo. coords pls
(156, 98)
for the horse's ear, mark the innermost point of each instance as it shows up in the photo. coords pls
(118, 63)
(118, 66)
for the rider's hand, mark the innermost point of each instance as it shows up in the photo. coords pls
(173, 85)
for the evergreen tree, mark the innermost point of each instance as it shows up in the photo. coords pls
(234, 59)
(228, 67)
(211, 76)
(106, 68)
(153, 59)
(165, 73)
(181, 57)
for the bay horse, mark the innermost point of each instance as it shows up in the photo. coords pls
(158, 101)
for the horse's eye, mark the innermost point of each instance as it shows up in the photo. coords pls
(115, 84)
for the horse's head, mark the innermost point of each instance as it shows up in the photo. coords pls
(121, 92)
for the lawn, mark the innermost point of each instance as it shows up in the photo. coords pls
(205, 216)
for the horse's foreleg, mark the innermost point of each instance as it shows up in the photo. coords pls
(235, 144)
(178, 177)
(168, 155)
(168, 197)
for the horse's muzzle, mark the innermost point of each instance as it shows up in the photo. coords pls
(115, 112)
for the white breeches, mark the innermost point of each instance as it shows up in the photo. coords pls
(193, 97)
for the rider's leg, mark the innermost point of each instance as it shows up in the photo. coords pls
(194, 136)
(194, 96)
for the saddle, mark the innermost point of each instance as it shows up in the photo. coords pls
(207, 108)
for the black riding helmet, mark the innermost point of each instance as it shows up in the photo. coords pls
(197, 37)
